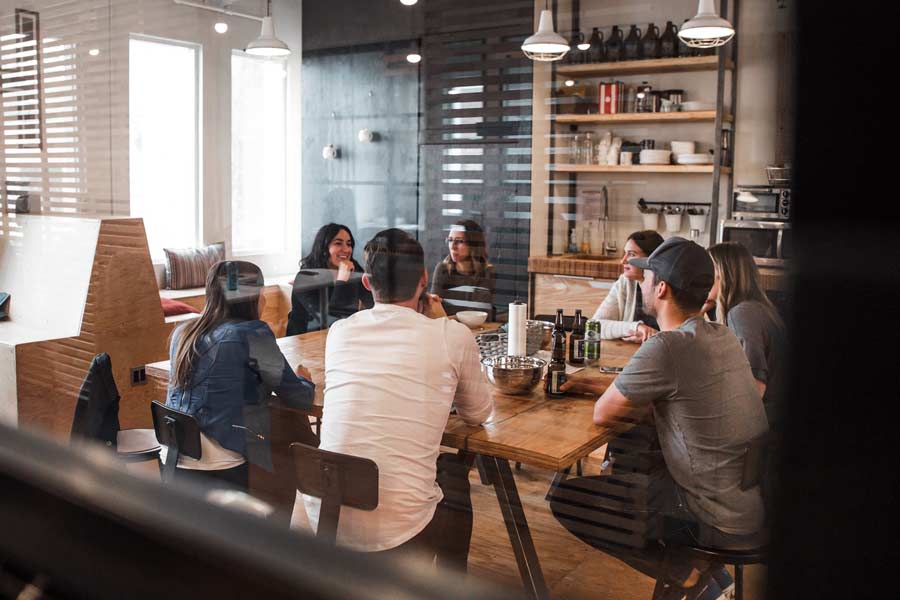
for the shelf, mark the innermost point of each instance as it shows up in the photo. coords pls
(657, 117)
(639, 67)
(675, 169)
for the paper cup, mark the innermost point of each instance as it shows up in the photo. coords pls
(698, 222)
(651, 220)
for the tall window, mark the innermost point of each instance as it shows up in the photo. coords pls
(164, 131)
(258, 162)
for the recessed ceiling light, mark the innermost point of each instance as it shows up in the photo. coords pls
(94, 51)
(221, 27)
(414, 58)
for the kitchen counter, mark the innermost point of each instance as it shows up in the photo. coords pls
(573, 264)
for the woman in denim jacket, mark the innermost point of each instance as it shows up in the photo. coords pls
(225, 365)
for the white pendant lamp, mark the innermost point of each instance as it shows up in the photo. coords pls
(267, 44)
(707, 29)
(545, 45)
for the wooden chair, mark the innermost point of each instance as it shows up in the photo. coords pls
(177, 430)
(339, 480)
(757, 459)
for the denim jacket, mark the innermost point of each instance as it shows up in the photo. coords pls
(240, 365)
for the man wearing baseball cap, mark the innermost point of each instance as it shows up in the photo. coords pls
(695, 382)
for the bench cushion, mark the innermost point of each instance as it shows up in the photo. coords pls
(188, 267)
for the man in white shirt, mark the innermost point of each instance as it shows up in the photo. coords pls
(392, 374)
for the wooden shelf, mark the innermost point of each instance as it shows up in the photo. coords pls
(638, 67)
(675, 169)
(695, 116)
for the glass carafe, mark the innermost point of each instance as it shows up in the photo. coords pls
(587, 149)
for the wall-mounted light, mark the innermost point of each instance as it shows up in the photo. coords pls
(330, 152)
(570, 82)
(365, 136)
(545, 45)
(221, 27)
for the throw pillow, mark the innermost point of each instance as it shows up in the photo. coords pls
(188, 267)
(174, 307)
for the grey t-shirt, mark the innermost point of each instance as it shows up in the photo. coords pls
(706, 407)
(762, 335)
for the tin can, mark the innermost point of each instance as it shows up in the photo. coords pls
(592, 340)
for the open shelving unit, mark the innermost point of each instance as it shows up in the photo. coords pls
(723, 64)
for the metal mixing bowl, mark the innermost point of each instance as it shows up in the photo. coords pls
(514, 374)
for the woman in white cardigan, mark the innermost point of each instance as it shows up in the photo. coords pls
(621, 314)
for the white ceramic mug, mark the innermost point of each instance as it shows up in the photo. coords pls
(625, 158)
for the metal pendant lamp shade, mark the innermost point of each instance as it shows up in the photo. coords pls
(267, 44)
(707, 29)
(545, 45)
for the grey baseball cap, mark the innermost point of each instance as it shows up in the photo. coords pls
(681, 263)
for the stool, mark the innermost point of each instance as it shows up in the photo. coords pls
(736, 558)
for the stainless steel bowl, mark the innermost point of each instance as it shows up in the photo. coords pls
(546, 334)
(513, 374)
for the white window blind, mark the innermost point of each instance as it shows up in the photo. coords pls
(258, 154)
(164, 144)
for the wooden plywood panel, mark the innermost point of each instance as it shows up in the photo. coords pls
(568, 292)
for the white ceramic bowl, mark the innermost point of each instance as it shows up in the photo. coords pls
(655, 157)
(697, 105)
(683, 147)
(472, 318)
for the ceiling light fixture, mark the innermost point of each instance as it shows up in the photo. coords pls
(408, 2)
(267, 44)
(707, 29)
(570, 82)
(221, 27)
(414, 58)
(94, 51)
(545, 45)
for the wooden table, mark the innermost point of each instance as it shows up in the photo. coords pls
(531, 428)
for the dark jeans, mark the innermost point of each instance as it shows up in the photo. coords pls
(448, 534)
(237, 478)
(642, 520)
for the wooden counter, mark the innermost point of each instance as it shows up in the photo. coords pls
(571, 264)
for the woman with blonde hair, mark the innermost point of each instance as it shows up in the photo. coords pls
(742, 305)
(467, 265)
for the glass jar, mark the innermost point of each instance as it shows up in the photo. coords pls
(575, 149)
(588, 150)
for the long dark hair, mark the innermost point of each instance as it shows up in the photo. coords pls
(477, 244)
(647, 240)
(222, 305)
(738, 279)
(319, 257)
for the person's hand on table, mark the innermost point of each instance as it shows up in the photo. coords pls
(344, 270)
(303, 372)
(431, 305)
(640, 334)
(586, 383)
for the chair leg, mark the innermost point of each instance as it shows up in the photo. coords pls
(578, 468)
(738, 582)
(518, 466)
(659, 589)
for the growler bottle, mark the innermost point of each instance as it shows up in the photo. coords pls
(576, 350)
(614, 45)
(556, 370)
(668, 41)
(683, 49)
(632, 46)
(650, 43)
(597, 53)
(576, 55)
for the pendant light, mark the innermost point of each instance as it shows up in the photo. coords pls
(707, 29)
(267, 44)
(545, 45)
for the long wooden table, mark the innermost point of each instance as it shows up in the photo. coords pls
(532, 429)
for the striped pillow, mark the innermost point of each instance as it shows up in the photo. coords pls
(187, 267)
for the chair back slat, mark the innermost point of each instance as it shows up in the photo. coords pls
(176, 429)
(339, 480)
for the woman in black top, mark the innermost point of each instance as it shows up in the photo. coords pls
(329, 265)
(466, 265)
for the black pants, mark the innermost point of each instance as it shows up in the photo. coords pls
(449, 533)
(640, 519)
(236, 478)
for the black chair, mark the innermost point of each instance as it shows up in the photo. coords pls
(339, 480)
(97, 416)
(177, 430)
(757, 466)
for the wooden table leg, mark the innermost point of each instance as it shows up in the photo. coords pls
(501, 477)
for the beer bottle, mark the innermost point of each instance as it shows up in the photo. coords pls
(576, 350)
(556, 370)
